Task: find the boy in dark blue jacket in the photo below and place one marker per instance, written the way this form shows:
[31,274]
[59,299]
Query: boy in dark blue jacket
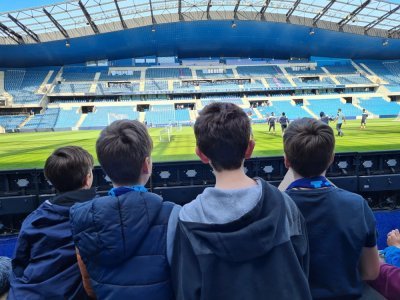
[243,238]
[341,226]
[44,264]
[125,239]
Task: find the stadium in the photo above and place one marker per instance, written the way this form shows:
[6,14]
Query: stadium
[69,69]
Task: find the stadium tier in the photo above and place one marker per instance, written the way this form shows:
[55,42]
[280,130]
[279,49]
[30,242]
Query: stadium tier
[330,107]
[47,120]
[11,122]
[67,118]
[379,106]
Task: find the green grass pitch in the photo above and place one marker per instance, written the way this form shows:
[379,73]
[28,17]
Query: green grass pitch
[30,150]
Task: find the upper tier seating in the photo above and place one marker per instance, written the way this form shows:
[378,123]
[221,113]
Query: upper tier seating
[353,79]
[219,87]
[173,73]
[117,88]
[67,118]
[104,115]
[22,85]
[183,87]
[254,85]
[156,85]
[331,106]
[72,88]
[305,71]
[388,71]
[122,76]
[161,107]
[11,122]
[226,73]
[323,82]
[339,68]
[260,71]
[379,106]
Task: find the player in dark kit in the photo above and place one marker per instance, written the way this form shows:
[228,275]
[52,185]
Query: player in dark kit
[271,122]
[284,121]
[364,117]
[324,118]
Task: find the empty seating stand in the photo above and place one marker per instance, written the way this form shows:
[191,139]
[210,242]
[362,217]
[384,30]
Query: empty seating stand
[381,107]
[105,115]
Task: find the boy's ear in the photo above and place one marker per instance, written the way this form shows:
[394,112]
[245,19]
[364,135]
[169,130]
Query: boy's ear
[332,158]
[88,181]
[147,166]
[204,159]
[250,148]
[286,161]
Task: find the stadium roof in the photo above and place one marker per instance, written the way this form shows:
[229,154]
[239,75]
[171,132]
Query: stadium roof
[86,30]
[87,17]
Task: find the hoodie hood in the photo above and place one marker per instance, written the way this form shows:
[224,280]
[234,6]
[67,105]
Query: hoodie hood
[237,225]
[112,228]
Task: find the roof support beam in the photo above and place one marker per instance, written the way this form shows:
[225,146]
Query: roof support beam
[264,8]
[354,13]
[88,17]
[120,15]
[29,32]
[153,20]
[292,9]
[208,9]
[323,12]
[180,10]
[395,30]
[236,9]
[11,34]
[380,19]
[58,25]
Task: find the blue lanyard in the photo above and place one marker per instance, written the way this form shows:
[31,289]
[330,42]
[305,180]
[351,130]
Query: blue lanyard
[310,183]
[126,189]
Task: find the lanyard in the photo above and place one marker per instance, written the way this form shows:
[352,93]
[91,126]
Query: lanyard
[310,183]
[126,189]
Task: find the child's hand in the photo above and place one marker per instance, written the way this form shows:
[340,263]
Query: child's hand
[393,238]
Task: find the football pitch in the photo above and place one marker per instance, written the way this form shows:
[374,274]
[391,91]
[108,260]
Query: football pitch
[30,150]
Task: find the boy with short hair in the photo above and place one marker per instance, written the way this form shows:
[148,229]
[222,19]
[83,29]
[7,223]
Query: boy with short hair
[125,239]
[44,264]
[340,224]
[243,238]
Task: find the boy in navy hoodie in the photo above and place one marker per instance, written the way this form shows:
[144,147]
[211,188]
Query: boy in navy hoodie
[243,238]
[125,238]
[340,224]
[44,264]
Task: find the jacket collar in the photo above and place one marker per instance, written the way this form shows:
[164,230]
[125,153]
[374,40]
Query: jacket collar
[70,198]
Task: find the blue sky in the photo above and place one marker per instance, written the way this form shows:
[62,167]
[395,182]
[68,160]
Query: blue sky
[7,5]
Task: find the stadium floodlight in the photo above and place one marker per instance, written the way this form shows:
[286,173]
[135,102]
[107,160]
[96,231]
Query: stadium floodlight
[233,25]
[153,28]
[312,31]
[67,44]
[385,42]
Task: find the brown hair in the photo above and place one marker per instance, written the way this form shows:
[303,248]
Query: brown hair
[67,167]
[309,146]
[222,133]
[121,148]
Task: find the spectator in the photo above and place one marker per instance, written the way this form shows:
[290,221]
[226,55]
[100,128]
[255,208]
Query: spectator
[125,239]
[44,264]
[340,225]
[242,239]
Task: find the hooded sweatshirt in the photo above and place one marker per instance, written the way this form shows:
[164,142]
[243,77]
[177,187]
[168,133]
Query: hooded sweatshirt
[44,264]
[241,244]
[123,241]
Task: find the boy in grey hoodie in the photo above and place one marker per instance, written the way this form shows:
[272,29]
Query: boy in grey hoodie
[243,238]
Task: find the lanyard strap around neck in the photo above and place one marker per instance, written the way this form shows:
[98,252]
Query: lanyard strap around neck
[126,189]
[310,183]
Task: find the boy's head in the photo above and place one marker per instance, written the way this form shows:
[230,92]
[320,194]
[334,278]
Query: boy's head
[223,136]
[123,150]
[283,114]
[309,147]
[272,114]
[339,110]
[321,114]
[363,110]
[69,168]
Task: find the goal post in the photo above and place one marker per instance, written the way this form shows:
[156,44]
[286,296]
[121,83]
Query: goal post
[165,134]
